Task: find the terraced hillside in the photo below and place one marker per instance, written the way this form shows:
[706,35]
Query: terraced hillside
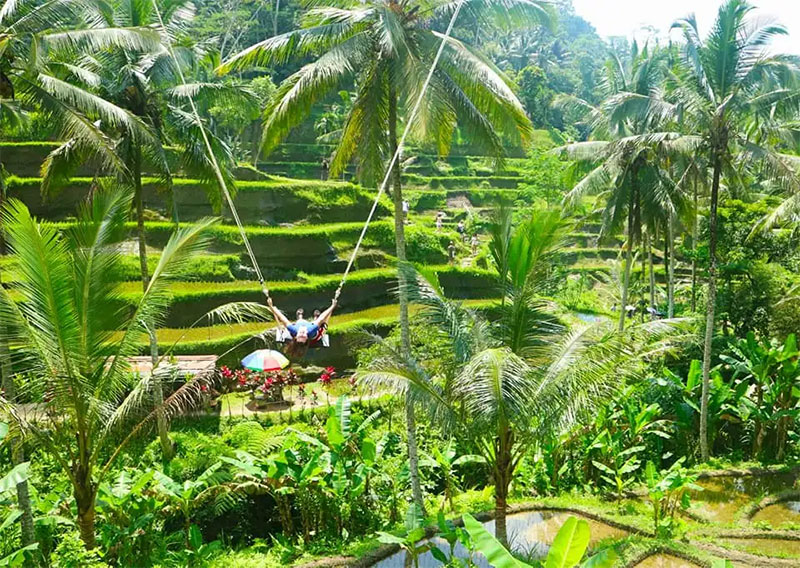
[302,229]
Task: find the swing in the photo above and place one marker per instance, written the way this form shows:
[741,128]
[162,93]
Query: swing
[284,332]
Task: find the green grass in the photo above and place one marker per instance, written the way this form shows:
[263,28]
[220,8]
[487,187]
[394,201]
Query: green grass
[340,324]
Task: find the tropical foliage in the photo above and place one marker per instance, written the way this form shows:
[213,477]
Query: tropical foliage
[574,317]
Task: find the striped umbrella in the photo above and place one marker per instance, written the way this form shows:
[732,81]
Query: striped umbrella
[265,360]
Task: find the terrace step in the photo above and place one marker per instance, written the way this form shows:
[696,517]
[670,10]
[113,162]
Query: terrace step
[237,340]
[264,202]
[365,289]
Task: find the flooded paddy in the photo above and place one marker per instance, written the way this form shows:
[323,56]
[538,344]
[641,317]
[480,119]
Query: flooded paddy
[774,547]
[530,533]
[665,561]
[779,514]
[722,497]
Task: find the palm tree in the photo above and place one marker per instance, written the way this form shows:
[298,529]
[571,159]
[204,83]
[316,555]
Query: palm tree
[11,114]
[517,377]
[50,27]
[145,83]
[729,96]
[40,42]
[386,48]
[70,338]
[619,169]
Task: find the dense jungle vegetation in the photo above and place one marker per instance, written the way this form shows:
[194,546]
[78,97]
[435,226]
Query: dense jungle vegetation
[565,317]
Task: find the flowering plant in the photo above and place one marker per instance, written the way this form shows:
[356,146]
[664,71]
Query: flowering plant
[266,386]
[327,376]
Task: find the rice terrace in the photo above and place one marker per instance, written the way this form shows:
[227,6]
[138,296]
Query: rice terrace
[399,283]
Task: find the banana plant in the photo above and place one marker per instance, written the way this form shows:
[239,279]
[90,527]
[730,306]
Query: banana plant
[412,541]
[259,475]
[725,404]
[303,480]
[567,550]
[769,373]
[186,497]
[130,529]
[8,484]
[350,456]
[446,461]
[452,535]
[667,491]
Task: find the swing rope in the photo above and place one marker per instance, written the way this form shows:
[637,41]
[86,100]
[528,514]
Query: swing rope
[396,157]
[382,189]
[211,156]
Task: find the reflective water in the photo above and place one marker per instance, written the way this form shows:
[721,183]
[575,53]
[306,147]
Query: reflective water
[765,546]
[589,318]
[780,513]
[665,561]
[722,497]
[529,533]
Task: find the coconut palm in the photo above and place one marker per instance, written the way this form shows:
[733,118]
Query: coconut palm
[386,48]
[146,84]
[518,376]
[40,42]
[70,337]
[727,102]
[621,170]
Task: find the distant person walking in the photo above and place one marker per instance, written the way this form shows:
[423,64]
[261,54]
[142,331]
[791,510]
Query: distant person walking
[461,230]
[325,167]
[474,242]
[439,220]
[451,252]
[405,211]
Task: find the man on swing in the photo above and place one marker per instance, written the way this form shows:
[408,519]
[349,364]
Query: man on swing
[303,332]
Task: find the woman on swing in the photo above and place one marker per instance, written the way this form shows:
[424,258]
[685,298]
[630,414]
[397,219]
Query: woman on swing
[303,332]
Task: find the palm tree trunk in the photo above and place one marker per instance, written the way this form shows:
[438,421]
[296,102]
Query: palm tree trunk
[710,306]
[85,497]
[405,334]
[694,250]
[7,384]
[626,278]
[649,248]
[669,249]
[502,479]
[158,392]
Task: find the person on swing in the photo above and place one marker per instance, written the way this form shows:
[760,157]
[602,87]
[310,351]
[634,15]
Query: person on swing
[302,331]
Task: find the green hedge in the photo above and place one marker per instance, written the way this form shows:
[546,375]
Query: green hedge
[463,182]
[271,201]
[203,268]
[311,248]
[363,289]
[426,200]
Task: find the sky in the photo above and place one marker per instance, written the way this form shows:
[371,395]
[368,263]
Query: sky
[628,17]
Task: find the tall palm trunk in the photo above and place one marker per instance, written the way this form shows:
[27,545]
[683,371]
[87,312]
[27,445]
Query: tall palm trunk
[649,249]
[626,278]
[694,249]
[158,392]
[669,252]
[503,471]
[405,333]
[85,493]
[710,305]
[8,386]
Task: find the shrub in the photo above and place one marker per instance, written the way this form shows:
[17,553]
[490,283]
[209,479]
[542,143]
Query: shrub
[71,553]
